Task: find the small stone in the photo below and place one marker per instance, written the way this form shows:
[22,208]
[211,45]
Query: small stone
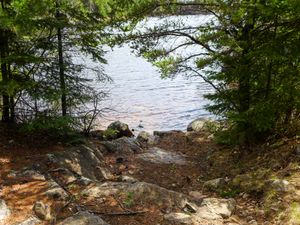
[85,181]
[121,129]
[252,222]
[245,195]
[280,185]
[180,218]
[260,212]
[197,125]
[122,167]
[57,193]
[190,207]
[12,175]
[128,179]
[30,221]
[144,137]
[196,195]
[42,211]
[214,184]
[107,175]
[123,145]
[83,218]
[30,174]
[4,211]
[266,223]
[220,207]
[250,218]
[162,156]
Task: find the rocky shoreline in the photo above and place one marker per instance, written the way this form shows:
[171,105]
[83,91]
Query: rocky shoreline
[115,178]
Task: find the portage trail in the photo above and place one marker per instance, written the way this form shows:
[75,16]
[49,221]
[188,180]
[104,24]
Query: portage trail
[161,179]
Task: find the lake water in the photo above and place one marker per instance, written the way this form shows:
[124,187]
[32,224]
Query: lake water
[140,98]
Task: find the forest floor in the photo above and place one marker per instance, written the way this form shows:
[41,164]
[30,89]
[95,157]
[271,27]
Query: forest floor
[265,183]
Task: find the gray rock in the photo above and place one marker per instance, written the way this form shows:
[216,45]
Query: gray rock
[267,223]
[42,211]
[213,208]
[252,222]
[158,155]
[30,221]
[128,179]
[142,191]
[214,184]
[123,145]
[83,218]
[197,125]
[55,191]
[122,129]
[190,207]
[31,174]
[178,218]
[279,185]
[26,174]
[80,160]
[12,174]
[146,138]
[4,211]
[105,173]
[207,213]
[196,195]
[85,181]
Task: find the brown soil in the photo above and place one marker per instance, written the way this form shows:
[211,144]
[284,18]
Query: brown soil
[207,160]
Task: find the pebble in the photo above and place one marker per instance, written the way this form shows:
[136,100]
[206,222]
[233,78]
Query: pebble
[252,222]
[250,218]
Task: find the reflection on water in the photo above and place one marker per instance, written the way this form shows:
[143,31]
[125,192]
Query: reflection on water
[143,100]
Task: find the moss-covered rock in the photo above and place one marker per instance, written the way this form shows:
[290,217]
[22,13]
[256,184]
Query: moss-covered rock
[251,182]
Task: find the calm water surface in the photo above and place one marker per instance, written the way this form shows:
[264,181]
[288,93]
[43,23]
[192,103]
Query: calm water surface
[140,98]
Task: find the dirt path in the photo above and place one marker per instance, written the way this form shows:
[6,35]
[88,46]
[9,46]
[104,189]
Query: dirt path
[180,162]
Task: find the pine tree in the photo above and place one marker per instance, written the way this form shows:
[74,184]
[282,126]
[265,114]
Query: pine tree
[247,52]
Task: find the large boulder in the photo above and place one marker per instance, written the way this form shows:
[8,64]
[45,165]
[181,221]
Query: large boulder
[83,218]
[121,130]
[4,211]
[81,160]
[123,145]
[143,191]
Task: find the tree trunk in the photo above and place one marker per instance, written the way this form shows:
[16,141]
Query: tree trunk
[61,65]
[5,75]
